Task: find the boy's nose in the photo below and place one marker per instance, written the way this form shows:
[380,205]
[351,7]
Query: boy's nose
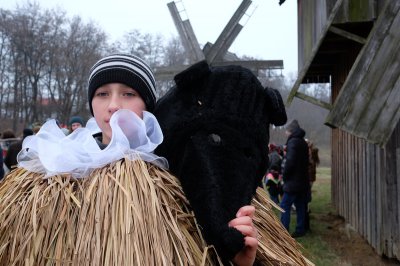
[114,105]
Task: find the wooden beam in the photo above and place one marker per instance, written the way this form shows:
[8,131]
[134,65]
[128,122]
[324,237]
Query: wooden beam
[228,34]
[197,53]
[168,72]
[220,54]
[313,100]
[347,35]
[186,34]
[253,64]
[314,51]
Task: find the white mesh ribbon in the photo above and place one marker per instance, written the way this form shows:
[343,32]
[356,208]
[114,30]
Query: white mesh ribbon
[51,152]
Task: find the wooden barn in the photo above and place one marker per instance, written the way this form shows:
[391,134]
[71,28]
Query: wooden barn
[355,46]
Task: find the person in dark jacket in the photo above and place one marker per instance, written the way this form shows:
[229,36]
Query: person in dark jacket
[295,178]
[11,157]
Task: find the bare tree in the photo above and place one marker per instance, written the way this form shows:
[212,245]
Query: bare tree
[5,91]
[80,46]
[144,45]
[44,62]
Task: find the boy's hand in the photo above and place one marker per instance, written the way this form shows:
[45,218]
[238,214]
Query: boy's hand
[244,223]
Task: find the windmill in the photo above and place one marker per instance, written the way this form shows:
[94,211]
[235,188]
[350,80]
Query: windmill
[216,54]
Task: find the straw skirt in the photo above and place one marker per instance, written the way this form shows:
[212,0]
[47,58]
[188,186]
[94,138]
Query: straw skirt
[126,213]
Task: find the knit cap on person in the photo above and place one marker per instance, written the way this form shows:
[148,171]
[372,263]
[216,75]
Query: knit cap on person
[75,119]
[126,69]
[27,132]
[292,126]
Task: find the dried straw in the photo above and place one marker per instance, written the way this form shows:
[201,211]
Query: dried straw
[127,213]
[276,246]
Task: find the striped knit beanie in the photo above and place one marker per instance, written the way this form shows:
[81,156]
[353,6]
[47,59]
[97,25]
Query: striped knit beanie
[126,69]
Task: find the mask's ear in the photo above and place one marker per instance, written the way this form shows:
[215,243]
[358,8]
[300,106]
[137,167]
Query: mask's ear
[193,76]
[276,107]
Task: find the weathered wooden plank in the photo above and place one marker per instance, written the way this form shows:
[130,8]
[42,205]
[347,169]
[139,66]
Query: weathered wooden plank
[314,51]
[391,113]
[379,203]
[338,171]
[342,175]
[342,189]
[227,42]
[371,195]
[195,50]
[350,180]
[369,192]
[354,177]
[186,33]
[391,227]
[347,175]
[360,185]
[344,102]
[397,135]
[356,11]
[313,100]
[310,24]
[221,43]
[334,175]
[394,178]
[168,72]
[253,64]
[366,185]
[347,35]
[374,177]
[353,190]
[377,86]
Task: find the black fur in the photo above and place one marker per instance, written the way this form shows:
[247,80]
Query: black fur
[216,131]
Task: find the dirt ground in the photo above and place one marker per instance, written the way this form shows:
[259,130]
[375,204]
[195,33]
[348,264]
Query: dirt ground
[349,245]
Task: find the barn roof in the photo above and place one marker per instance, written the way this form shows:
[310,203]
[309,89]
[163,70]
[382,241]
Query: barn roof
[368,104]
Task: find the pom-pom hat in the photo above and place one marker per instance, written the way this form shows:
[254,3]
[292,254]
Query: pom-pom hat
[126,69]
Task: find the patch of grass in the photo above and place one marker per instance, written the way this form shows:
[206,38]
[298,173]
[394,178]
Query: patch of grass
[324,157]
[315,248]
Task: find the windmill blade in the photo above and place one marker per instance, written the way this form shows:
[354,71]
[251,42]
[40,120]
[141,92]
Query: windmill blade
[186,33]
[228,35]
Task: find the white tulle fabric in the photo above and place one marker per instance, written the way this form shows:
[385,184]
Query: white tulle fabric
[51,152]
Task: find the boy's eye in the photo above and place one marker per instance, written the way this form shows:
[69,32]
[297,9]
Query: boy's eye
[130,94]
[101,94]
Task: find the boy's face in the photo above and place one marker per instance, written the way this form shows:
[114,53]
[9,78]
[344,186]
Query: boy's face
[111,97]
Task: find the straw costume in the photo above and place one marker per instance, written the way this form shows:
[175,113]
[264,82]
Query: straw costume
[73,202]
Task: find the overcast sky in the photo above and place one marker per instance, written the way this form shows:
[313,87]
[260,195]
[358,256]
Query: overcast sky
[269,33]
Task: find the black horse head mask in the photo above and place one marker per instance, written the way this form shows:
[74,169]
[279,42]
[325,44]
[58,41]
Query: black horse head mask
[216,132]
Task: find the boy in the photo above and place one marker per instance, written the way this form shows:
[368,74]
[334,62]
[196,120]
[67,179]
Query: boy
[123,81]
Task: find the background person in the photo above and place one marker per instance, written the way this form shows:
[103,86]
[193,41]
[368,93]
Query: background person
[11,158]
[74,123]
[295,177]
